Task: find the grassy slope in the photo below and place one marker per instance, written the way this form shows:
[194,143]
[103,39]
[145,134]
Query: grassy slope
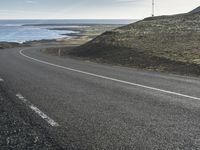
[166,43]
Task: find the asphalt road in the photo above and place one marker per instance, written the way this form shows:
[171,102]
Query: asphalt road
[84,105]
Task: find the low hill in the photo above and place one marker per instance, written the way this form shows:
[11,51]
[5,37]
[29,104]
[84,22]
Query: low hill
[197,10]
[8,45]
[164,43]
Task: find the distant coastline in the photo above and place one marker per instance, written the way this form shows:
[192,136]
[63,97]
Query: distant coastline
[21,31]
[66,34]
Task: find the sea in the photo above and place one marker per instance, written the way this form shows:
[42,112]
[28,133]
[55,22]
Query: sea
[30,30]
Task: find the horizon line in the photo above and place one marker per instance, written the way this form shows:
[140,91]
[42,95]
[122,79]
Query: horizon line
[68,19]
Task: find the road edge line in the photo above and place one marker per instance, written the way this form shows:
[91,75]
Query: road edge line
[109,78]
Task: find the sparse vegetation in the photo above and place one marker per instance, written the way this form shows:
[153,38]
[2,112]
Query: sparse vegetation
[8,45]
[165,43]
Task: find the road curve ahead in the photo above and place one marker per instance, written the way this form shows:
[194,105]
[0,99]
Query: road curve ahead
[84,105]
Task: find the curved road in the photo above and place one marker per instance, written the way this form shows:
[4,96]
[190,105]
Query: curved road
[84,105]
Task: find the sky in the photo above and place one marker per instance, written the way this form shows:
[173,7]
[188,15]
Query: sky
[91,9]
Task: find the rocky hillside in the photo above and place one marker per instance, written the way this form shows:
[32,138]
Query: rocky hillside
[195,10]
[166,43]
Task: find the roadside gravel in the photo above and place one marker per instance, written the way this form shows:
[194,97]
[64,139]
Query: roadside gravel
[17,133]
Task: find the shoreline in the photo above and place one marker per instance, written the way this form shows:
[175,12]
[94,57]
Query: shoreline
[81,35]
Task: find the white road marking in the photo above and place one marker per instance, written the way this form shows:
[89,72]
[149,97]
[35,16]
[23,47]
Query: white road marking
[1,80]
[112,79]
[21,98]
[44,116]
[37,111]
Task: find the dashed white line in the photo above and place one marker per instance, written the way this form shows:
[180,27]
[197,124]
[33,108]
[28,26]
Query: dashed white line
[37,111]
[109,78]
[1,80]
[21,98]
[44,116]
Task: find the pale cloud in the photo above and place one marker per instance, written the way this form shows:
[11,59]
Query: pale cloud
[126,1]
[92,9]
[30,2]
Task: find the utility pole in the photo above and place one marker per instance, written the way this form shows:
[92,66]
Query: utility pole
[153,8]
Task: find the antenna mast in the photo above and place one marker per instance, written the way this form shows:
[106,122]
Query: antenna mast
[153,8]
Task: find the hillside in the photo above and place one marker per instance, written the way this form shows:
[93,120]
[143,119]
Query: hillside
[197,10]
[164,43]
[8,45]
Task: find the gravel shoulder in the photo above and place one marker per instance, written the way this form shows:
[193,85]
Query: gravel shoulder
[19,133]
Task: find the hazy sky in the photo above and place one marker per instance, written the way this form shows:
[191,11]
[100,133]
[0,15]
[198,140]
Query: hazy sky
[91,9]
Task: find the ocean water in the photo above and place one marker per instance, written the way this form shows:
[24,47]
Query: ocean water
[22,34]
[15,31]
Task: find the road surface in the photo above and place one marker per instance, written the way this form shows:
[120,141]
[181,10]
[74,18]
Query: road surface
[84,105]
